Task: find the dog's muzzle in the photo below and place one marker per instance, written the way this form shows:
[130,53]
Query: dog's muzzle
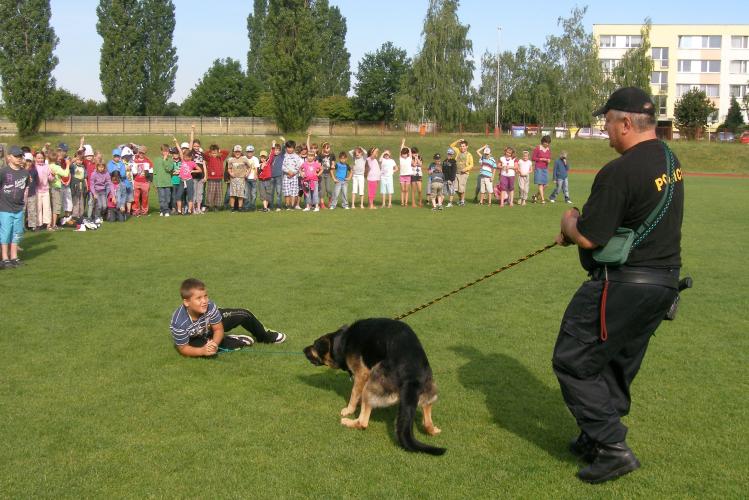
[312,356]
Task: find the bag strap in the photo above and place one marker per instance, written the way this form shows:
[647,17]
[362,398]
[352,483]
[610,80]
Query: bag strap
[660,210]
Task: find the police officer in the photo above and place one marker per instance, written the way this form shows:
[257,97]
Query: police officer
[608,323]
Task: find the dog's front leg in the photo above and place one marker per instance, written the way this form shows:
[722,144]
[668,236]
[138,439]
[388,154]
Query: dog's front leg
[359,380]
[363,421]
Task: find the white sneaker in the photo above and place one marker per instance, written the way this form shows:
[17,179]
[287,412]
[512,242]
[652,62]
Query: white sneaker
[317,209]
[97,220]
[161,214]
[297,207]
[81,228]
[166,214]
[553,201]
[278,210]
[569,201]
[306,209]
[449,205]
[345,208]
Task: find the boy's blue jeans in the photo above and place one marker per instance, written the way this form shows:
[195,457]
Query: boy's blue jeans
[165,197]
[561,186]
[251,198]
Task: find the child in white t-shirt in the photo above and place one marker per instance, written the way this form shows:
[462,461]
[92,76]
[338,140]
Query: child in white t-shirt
[508,163]
[387,169]
[406,171]
[525,166]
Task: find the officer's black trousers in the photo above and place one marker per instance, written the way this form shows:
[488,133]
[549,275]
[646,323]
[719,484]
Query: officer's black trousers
[595,375]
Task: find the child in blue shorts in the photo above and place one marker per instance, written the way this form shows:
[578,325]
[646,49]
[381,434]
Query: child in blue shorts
[14,183]
[198,325]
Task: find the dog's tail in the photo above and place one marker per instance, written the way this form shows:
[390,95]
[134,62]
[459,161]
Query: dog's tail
[409,399]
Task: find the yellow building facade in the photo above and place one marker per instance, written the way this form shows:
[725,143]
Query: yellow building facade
[711,57]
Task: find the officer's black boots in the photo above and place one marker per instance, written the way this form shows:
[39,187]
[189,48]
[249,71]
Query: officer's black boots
[584,447]
[611,461]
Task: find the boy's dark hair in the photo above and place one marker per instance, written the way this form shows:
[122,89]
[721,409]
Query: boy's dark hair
[165,147]
[214,147]
[404,151]
[342,155]
[414,150]
[291,144]
[189,285]
[463,142]
[546,139]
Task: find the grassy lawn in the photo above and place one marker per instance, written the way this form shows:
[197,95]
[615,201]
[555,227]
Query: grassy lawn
[97,403]
[583,153]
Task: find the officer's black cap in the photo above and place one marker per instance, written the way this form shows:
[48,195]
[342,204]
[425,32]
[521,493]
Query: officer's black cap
[630,100]
[15,151]
[437,156]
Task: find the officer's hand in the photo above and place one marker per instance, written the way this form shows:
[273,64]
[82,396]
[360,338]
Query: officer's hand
[562,240]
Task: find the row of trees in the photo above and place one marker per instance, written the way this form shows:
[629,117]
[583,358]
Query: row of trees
[298,67]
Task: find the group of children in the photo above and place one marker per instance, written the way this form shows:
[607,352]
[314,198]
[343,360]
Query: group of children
[81,190]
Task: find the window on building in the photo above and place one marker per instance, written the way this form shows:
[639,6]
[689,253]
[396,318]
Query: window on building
[740,42]
[661,104]
[608,41]
[713,118]
[659,79]
[738,91]
[739,67]
[608,65]
[709,89]
[698,66]
[660,54]
[633,41]
[700,42]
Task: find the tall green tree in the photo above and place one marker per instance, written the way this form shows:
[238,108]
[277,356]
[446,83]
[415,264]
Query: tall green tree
[734,118]
[120,26]
[224,90]
[636,66]
[27,44]
[61,102]
[159,55]
[289,52]
[334,69]
[581,79]
[692,113]
[378,80]
[255,23]
[439,84]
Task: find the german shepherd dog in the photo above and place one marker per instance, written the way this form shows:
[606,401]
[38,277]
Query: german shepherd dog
[388,365]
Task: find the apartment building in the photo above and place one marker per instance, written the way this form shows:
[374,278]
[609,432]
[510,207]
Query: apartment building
[711,57]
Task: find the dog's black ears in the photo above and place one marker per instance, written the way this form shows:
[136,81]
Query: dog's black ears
[343,329]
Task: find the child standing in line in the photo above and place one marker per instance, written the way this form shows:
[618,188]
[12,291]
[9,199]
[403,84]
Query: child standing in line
[311,170]
[61,175]
[373,173]
[142,172]
[13,190]
[508,164]
[342,175]
[77,185]
[486,173]
[238,167]
[43,202]
[450,169]
[359,168]
[292,162]
[31,204]
[416,176]
[117,199]
[388,168]
[185,185]
[541,157]
[100,185]
[561,174]
[437,182]
[525,166]
[327,181]
[406,171]
[251,181]
[214,162]
[464,160]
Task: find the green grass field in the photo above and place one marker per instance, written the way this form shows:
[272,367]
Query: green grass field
[97,403]
[583,153]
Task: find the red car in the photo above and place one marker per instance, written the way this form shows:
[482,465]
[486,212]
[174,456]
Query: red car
[745,137]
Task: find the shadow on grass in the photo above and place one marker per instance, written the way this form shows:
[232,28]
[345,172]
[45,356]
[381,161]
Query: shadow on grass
[518,401]
[341,384]
[36,244]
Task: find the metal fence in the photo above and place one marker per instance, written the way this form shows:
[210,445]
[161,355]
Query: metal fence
[204,125]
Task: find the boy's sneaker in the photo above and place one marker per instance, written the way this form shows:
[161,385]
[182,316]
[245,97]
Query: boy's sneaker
[439,207]
[16,262]
[553,201]
[280,337]
[568,201]
[245,339]
[166,214]
[449,205]
[306,209]
[4,264]
[81,228]
[317,209]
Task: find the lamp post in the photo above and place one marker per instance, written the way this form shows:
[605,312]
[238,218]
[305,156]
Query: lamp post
[497,128]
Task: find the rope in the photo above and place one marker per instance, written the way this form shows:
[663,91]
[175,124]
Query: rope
[468,285]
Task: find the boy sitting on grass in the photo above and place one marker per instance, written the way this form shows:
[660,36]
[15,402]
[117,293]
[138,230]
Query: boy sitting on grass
[198,325]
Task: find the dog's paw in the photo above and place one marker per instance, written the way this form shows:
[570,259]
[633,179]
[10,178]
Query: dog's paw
[433,431]
[347,411]
[352,423]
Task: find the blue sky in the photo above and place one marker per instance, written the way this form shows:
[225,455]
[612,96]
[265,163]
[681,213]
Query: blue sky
[202,34]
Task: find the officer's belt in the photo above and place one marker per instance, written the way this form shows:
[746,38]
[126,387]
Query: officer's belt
[638,275]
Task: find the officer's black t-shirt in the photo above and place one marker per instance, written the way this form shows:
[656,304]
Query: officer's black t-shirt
[624,193]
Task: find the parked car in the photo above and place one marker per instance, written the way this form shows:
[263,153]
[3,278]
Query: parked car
[591,133]
[745,137]
[726,136]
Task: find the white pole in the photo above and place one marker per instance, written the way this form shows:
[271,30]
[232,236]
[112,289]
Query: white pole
[496,112]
